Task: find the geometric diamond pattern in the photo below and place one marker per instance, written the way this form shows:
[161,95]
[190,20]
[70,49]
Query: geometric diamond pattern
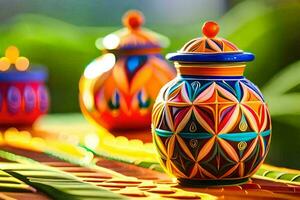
[211,129]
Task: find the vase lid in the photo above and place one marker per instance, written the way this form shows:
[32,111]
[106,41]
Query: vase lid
[210,48]
[132,37]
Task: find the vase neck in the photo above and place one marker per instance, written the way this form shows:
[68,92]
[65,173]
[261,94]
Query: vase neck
[211,70]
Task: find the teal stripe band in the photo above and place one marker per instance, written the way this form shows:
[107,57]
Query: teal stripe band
[164,133]
[246,136]
[196,135]
[265,133]
[236,137]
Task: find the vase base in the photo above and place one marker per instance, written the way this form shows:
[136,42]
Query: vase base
[206,183]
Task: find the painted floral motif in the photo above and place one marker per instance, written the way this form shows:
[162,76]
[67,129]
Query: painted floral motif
[29,99]
[14,99]
[126,93]
[133,84]
[211,129]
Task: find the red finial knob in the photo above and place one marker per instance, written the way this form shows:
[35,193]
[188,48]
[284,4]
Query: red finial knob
[133,19]
[210,29]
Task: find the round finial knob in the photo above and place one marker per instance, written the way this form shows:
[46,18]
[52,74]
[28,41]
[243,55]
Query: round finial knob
[210,29]
[133,19]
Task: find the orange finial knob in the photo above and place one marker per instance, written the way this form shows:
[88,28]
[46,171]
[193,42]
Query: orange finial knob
[210,29]
[133,19]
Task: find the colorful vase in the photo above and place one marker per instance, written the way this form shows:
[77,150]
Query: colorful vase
[23,94]
[118,89]
[211,126]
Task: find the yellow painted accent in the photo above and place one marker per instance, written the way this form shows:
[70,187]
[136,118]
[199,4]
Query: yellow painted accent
[22,64]
[243,126]
[12,53]
[4,64]
[242,145]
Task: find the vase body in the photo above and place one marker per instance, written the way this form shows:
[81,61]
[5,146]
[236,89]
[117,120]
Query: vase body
[122,97]
[23,97]
[211,125]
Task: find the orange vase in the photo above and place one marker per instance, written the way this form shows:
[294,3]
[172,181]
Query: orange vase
[118,89]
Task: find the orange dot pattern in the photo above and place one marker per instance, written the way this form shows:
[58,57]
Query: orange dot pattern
[12,57]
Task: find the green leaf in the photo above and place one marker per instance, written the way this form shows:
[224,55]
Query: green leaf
[285,80]
[55,183]
[9,183]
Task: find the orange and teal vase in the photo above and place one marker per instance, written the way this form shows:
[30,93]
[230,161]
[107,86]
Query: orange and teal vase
[118,89]
[211,125]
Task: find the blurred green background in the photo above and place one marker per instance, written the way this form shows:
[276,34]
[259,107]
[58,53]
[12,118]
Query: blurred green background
[61,35]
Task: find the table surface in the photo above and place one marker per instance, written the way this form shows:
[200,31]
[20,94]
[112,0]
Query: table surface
[64,157]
